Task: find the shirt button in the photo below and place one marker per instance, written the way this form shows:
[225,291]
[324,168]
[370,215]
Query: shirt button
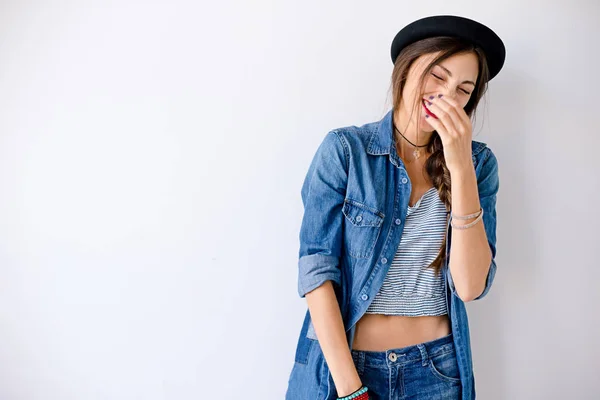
[359,218]
[364,297]
[393,357]
[384,260]
[398,221]
[404,180]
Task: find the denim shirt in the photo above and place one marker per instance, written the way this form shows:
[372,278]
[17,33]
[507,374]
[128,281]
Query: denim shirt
[355,197]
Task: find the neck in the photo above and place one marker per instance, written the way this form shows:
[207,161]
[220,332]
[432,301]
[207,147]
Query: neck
[409,129]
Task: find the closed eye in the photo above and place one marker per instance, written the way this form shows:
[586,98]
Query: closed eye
[441,79]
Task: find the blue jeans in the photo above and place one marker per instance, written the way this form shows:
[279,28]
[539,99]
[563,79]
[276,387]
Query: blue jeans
[424,371]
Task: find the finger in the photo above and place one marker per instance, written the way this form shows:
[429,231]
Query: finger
[439,127]
[446,113]
[444,117]
[457,107]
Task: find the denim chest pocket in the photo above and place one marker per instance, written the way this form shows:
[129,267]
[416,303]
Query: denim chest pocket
[362,228]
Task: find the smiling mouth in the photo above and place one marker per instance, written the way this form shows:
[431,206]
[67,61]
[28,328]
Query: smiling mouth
[427,110]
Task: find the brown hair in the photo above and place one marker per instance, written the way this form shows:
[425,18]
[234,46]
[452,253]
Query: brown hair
[436,164]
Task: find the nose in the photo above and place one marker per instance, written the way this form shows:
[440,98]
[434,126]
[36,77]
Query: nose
[447,92]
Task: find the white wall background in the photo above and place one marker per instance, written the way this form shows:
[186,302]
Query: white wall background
[151,159]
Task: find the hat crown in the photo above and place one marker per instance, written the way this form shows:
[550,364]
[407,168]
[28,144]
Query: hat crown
[454,26]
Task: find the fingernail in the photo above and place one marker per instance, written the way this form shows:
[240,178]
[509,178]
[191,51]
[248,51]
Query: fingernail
[430,103]
[426,115]
[432,97]
[440,96]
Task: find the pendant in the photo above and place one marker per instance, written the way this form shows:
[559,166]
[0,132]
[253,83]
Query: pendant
[417,153]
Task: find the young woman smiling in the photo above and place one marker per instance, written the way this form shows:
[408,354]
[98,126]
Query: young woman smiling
[399,229]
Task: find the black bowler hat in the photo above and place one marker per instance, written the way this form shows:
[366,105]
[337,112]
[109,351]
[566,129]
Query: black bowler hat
[459,27]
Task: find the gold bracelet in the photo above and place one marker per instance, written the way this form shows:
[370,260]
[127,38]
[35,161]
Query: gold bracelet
[466,226]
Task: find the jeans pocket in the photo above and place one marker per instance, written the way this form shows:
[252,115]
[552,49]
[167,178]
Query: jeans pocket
[445,367]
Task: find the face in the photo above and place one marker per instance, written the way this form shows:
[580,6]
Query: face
[454,77]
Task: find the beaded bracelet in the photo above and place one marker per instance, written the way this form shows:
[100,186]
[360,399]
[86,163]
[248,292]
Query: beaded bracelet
[360,394]
[466,217]
[364,396]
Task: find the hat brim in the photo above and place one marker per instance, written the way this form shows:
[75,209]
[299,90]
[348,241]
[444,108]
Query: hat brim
[459,27]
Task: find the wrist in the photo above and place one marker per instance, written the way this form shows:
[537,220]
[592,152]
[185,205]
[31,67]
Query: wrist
[359,394]
[347,390]
[461,168]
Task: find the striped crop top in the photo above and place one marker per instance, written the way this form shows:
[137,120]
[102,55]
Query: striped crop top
[409,288]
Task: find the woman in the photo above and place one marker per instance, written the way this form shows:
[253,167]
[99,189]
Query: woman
[385,289]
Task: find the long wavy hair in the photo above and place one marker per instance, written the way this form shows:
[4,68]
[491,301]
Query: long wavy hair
[435,165]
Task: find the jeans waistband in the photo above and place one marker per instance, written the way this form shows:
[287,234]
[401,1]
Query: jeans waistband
[399,356]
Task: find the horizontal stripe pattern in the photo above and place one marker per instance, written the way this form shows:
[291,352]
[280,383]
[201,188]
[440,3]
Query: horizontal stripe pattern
[410,288]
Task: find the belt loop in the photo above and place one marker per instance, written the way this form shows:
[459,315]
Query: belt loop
[424,356]
[359,360]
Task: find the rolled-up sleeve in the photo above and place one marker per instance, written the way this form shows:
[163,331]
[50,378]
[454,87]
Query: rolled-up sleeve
[488,184]
[323,194]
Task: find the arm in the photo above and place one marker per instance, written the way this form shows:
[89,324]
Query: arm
[323,194]
[329,328]
[472,251]
[471,267]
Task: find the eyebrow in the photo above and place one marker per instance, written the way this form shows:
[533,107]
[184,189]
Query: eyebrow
[450,74]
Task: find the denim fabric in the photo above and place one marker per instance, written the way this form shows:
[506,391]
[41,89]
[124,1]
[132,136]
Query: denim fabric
[427,371]
[355,198]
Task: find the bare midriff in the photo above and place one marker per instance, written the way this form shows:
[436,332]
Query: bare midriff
[378,332]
